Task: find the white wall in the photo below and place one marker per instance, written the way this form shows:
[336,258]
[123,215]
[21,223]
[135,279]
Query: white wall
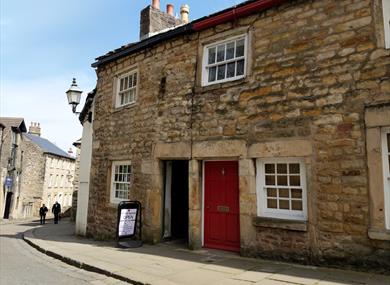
[85,167]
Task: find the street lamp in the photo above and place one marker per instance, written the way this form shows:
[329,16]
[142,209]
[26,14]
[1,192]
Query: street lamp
[74,95]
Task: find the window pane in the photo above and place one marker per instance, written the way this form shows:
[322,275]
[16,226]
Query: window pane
[231,69]
[211,59]
[296,205]
[281,168]
[271,192]
[272,204]
[284,204]
[230,50]
[240,67]
[212,73]
[221,71]
[295,180]
[269,168]
[221,53]
[126,84]
[240,48]
[121,83]
[284,193]
[135,79]
[130,81]
[282,180]
[388,142]
[296,193]
[269,180]
[294,168]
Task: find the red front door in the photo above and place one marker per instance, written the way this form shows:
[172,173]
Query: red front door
[221,214]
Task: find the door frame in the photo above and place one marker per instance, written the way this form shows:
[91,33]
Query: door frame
[203,190]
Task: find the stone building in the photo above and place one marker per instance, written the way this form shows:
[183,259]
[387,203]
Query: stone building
[11,164]
[50,171]
[262,128]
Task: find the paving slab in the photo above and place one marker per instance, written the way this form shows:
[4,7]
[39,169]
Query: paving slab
[173,264]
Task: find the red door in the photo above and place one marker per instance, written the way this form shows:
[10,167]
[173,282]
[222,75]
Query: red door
[221,219]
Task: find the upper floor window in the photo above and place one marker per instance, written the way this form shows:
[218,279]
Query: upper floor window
[224,61]
[281,188]
[386,21]
[127,89]
[121,179]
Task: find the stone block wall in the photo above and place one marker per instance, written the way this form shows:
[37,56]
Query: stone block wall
[32,180]
[312,68]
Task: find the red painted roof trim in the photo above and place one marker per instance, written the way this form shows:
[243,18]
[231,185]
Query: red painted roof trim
[235,13]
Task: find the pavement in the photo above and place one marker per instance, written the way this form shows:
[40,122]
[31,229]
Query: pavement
[174,264]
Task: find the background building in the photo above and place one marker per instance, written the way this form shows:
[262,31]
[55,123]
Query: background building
[39,171]
[11,163]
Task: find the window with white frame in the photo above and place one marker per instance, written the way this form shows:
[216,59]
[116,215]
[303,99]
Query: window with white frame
[121,180]
[224,61]
[51,180]
[386,21]
[127,89]
[386,172]
[281,188]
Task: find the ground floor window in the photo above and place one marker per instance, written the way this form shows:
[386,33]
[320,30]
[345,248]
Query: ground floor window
[121,179]
[386,171]
[281,188]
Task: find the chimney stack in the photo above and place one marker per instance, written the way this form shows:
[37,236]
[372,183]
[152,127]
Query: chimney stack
[184,12]
[35,129]
[70,151]
[154,20]
[156,4]
[170,10]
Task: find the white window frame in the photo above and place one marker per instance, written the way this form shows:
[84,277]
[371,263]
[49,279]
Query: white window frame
[118,85]
[262,210]
[386,22]
[113,199]
[386,175]
[205,64]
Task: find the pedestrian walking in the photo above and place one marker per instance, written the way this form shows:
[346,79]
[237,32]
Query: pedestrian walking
[42,213]
[56,210]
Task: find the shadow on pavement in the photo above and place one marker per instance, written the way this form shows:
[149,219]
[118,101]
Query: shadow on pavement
[64,234]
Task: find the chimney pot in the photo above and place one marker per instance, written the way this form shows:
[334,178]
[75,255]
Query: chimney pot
[184,12]
[170,9]
[35,129]
[156,4]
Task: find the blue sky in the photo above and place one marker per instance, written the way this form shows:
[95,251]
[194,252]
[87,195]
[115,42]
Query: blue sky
[45,43]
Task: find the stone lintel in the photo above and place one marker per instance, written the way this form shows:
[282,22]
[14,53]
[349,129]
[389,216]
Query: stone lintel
[172,150]
[379,234]
[300,226]
[219,149]
[377,116]
[290,148]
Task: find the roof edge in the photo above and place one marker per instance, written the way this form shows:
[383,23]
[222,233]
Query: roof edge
[244,9]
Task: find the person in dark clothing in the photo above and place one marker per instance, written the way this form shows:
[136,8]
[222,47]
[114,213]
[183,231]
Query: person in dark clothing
[42,213]
[56,210]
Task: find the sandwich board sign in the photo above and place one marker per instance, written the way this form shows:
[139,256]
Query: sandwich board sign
[129,218]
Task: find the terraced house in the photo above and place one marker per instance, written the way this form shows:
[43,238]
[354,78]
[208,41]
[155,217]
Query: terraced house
[263,128]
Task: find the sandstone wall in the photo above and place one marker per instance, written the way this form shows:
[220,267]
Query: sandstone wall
[32,179]
[313,66]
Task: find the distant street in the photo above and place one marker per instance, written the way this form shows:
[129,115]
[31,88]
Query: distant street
[22,264]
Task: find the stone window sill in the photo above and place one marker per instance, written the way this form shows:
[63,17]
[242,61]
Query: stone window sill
[291,225]
[379,234]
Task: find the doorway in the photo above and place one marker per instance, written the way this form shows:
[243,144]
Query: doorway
[176,201]
[221,205]
[7,209]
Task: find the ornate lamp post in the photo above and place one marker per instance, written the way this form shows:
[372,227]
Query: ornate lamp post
[74,95]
